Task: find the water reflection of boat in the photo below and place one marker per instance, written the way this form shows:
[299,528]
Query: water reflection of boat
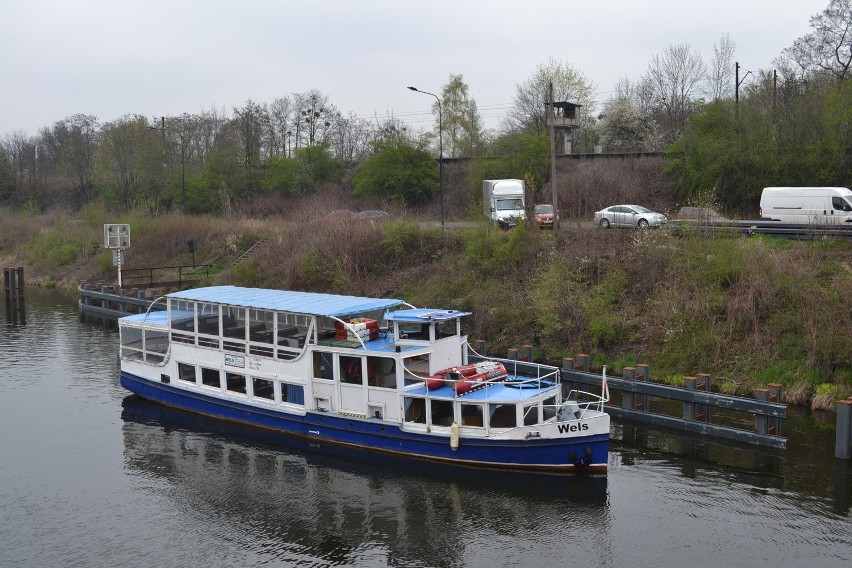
[308,505]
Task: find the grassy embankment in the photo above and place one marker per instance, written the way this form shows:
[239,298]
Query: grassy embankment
[750,311]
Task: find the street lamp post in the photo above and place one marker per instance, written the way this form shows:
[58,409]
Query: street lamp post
[440,151]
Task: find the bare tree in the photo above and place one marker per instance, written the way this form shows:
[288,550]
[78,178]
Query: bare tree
[74,141]
[7,176]
[22,154]
[828,48]
[280,120]
[672,80]
[130,161]
[252,122]
[350,138]
[313,116]
[720,71]
[639,94]
[528,112]
[461,121]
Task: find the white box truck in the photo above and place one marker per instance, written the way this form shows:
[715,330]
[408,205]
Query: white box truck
[807,205]
[503,201]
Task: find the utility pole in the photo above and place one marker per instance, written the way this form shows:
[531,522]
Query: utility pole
[737,83]
[774,89]
[553,158]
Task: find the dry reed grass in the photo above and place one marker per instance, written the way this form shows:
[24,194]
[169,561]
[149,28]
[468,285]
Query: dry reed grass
[824,401]
[797,393]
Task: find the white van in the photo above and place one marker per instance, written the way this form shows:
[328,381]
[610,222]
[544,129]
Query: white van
[807,205]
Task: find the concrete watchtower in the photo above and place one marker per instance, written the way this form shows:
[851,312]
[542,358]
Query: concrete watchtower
[564,117]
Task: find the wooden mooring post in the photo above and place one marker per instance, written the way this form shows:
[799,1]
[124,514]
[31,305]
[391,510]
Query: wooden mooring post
[764,424]
[568,364]
[632,401]
[481,347]
[691,410]
[13,286]
[843,441]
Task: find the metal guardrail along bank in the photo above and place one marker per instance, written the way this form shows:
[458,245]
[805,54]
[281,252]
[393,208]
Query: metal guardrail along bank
[696,398]
[111,302]
[165,276]
[764,227]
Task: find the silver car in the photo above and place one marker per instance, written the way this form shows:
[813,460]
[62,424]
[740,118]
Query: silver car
[628,216]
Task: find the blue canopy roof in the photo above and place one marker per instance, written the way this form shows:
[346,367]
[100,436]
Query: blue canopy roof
[311,303]
[156,317]
[421,315]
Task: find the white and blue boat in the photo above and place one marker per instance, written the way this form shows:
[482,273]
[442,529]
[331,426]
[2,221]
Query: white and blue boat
[370,373]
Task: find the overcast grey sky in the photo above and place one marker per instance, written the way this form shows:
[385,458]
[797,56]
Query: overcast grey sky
[110,58]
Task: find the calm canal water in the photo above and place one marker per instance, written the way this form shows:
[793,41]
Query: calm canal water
[90,476]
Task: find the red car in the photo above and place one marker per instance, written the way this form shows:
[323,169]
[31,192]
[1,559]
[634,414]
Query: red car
[544,216]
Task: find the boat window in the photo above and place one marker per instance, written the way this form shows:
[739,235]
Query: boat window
[235,382]
[131,342]
[210,377]
[234,322]
[288,354]
[234,346]
[261,330]
[261,324]
[531,415]
[502,415]
[471,415]
[261,388]
[293,329]
[381,372]
[178,305]
[325,329]
[350,370]
[263,351]
[548,409]
[186,372]
[292,394]
[415,369]
[446,328]
[414,330]
[156,345]
[323,365]
[182,315]
[208,318]
[415,410]
[442,412]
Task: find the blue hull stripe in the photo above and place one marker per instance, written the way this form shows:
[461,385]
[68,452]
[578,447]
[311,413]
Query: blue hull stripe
[377,435]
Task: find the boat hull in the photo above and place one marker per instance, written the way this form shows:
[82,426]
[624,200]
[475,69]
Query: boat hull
[575,454]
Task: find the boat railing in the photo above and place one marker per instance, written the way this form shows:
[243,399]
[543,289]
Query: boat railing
[548,379]
[543,375]
[524,368]
[587,400]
